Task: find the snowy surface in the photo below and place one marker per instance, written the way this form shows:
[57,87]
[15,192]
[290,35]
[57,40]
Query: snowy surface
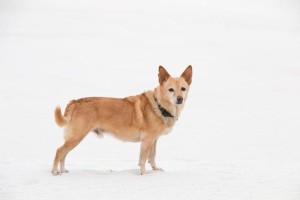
[238,136]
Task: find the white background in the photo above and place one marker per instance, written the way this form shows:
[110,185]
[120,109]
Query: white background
[237,138]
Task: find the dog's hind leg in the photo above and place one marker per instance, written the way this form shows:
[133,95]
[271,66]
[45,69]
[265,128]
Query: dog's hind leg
[62,152]
[57,158]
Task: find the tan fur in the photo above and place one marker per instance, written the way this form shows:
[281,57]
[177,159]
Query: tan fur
[134,119]
[59,119]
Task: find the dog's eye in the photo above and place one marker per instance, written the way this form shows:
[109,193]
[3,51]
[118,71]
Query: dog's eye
[171,90]
[183,89]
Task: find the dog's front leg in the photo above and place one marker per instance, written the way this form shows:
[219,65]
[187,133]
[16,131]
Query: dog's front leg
[151,158]
[144,153]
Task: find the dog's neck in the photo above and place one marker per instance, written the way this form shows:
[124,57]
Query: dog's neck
[167,110]
[163,111]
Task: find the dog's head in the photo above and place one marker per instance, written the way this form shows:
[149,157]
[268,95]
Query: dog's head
[174,90]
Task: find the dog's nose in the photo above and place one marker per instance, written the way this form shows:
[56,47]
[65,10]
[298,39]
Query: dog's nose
[179,100]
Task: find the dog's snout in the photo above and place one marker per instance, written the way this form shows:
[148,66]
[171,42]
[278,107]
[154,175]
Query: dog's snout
[179,100]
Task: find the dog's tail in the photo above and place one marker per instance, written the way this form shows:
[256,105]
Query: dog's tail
[59,119]
[63,120]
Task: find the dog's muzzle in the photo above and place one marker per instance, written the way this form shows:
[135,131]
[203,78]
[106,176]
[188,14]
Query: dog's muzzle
[179,100]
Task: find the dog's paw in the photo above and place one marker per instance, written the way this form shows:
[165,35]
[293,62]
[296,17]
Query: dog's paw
[142,170]
[55,173]
[64,171]
[157,169]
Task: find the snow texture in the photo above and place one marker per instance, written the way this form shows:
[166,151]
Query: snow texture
[238,137]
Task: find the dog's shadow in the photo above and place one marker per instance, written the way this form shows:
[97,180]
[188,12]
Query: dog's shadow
[85,172]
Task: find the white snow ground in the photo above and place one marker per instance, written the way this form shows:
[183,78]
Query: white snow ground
[238,137]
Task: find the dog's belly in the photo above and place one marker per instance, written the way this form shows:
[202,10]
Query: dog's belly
[127,136]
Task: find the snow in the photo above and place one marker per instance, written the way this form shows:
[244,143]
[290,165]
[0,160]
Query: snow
[237,138]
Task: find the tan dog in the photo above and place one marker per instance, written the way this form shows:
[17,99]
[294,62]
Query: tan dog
[141,118]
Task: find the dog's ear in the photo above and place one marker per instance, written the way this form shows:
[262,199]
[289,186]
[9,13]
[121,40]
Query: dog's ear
[187,74]
[163,75]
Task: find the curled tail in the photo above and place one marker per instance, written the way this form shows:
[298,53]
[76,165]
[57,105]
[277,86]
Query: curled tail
[63,120]
[59,119]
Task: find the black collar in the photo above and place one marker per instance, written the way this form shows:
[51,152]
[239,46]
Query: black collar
[163,111]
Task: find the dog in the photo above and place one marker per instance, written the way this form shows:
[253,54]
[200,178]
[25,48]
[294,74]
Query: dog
[141,118]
